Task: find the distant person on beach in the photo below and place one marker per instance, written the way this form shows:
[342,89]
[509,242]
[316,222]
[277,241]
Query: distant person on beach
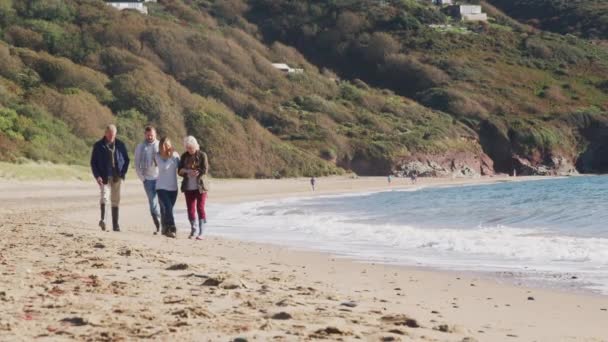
[147,171]
[166,185]
[194,167]
[413,177]
[389,179]
[109,163]
[313,182]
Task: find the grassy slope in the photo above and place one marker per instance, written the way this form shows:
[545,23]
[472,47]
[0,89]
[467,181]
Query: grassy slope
[73,66]
[200,67]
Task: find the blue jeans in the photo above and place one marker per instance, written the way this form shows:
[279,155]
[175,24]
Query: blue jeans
[150,187]
[167,200]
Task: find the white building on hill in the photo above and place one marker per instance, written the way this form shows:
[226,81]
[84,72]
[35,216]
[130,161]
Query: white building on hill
[468,13]
[286,68]
[137,5]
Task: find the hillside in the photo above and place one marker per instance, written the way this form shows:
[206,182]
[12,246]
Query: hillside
[536,100]
[70,67]
[585,18]
[404,96]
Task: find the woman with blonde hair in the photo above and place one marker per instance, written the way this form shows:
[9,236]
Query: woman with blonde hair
[166,184]
[194,167]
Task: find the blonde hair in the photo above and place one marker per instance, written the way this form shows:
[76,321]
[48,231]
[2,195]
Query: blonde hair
[163,141]
[191,141]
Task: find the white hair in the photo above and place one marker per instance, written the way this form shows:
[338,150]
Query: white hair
[191,141]
[111,127]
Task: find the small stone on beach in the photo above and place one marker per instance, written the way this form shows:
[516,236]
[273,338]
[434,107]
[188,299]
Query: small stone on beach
[75,321]
[177,267]
[349,304]
[281,316]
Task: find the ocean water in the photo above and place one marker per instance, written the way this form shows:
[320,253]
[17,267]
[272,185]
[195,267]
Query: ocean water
[550,233]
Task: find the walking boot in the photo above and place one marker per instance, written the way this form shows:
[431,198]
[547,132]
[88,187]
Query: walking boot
[201,225]
[156,223]
[192,229]
[172,231]
[115,226]
[102,223]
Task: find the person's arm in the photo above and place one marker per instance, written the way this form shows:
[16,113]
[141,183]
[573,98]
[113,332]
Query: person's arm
[125,167]
[137,156]
[204,165]
[180,167]
[94,165]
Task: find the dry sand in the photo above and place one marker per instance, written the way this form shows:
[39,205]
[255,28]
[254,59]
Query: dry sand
[63,279]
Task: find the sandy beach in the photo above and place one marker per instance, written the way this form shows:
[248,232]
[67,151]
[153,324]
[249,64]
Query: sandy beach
[61,278]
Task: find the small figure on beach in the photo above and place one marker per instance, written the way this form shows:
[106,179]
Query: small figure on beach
[166,185]
[413,177]
[389,179]
[147,171]
[313,182]
[194,168]
[109,163]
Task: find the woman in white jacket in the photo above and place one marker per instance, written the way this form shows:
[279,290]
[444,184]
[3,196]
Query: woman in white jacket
[166,185]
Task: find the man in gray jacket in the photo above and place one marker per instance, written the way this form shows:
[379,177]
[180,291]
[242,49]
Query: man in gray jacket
[147,171]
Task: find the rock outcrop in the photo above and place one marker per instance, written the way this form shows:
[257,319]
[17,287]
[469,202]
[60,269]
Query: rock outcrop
[557,166]
[459,164]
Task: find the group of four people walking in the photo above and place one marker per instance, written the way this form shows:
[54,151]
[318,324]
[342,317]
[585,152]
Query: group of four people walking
[157,165]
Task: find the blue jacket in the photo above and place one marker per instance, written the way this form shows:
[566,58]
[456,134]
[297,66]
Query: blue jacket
[101,164]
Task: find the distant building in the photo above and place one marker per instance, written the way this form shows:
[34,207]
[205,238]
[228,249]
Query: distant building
[440,2]
[468,12]
[137,5]
[287,69]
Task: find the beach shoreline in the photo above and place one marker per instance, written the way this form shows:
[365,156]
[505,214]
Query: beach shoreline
[134,295]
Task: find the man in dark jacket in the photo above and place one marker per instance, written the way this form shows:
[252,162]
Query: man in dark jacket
[109,163]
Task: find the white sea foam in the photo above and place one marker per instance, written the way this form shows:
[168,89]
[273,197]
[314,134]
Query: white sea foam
[539,230]
[495,248]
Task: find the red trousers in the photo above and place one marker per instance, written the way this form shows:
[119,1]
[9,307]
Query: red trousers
[195,201]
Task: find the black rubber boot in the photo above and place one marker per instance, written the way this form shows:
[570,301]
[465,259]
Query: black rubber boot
[115,226]
[102,223]
[156,223]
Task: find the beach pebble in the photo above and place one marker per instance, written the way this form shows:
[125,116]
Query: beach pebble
[99,245]
[240,339]
[397,331]
[177,267]
[349,304]
[282,316]
[400,320]
[468,339]
[330,331]
[443,328]
[124,252]
[75,321]
[213,282]
[530,298]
